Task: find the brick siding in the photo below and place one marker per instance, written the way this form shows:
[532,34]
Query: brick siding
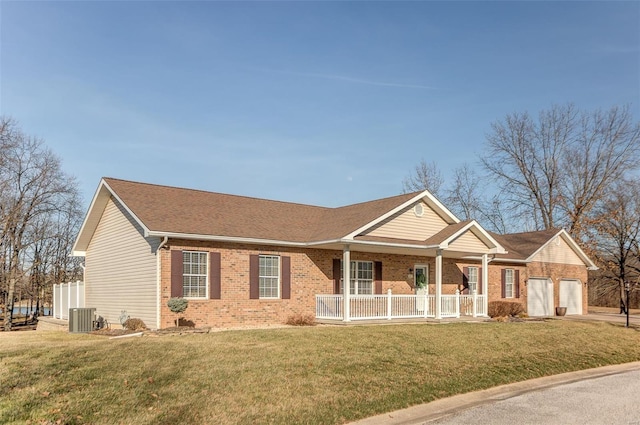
[311,274]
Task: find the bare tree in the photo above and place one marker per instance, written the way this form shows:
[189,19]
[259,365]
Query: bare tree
[33,188]
[616,230]
[425,176]
[554,170]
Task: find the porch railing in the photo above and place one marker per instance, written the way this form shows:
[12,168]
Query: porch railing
[390,306]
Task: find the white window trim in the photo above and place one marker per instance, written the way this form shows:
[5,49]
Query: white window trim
[206,276]
[355,281]
[279,284]
[509,286]
[474,282]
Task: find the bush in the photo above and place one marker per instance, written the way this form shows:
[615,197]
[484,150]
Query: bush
[301,320]
[177,304]
[505,309]
[134,325]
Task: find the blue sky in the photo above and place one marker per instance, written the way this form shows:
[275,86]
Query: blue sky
[326,103]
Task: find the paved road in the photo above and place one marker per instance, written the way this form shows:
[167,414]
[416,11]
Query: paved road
[613,399]
[606,395]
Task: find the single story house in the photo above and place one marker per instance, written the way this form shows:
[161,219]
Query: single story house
[243,261]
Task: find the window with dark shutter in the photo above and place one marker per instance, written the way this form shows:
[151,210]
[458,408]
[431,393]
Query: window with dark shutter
[214,276]
[176,274]
[254,277]
[377,275]
[286,278]
[337,264]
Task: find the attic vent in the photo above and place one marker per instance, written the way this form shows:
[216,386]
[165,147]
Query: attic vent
[418,210]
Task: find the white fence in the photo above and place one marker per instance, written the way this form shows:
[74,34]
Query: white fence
[66,296]
[389,306]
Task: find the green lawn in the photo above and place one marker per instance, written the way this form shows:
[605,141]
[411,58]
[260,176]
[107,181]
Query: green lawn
[315,375]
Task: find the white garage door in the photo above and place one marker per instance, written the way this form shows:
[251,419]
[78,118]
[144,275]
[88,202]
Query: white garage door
[540,297]
[571,295]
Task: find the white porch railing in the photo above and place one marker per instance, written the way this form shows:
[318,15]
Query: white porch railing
[66,296]
[390,306]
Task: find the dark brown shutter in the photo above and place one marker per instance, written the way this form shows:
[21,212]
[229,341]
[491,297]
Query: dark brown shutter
[465,277]
[286,278]
[254,277]
[516,282]
[177,270]
[479,288]
[336,276]
[503,280]
[377,275]
[214,276]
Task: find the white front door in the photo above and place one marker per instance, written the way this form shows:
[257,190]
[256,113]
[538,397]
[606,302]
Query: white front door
[421,278]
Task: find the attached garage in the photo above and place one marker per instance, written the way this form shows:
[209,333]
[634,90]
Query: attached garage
[571,295]
[540,297]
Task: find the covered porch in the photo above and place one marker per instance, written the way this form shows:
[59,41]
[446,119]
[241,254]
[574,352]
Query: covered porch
[464,243]
[399,306]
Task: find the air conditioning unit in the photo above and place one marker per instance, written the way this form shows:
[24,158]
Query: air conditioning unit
[81,320]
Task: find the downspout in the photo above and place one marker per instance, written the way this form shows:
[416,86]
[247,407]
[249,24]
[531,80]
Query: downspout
[159,280]
[84,286]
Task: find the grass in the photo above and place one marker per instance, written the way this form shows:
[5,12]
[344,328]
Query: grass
[309,375]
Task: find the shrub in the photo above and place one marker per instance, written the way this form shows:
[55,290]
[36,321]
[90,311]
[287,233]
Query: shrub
[134,324]
[505,308]
[301,320]
[177,305]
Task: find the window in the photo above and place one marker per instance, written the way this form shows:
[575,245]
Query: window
[473,280]
[361,277]
[269,276]
[194,274]
[508,283]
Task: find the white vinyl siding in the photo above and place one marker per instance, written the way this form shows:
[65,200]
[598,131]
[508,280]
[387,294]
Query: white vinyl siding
[406,225]
[468,242]
[508,283]
[121,268]
[269,276]
[558,251]
[194,275]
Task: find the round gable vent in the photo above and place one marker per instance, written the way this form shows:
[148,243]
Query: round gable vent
[418,210]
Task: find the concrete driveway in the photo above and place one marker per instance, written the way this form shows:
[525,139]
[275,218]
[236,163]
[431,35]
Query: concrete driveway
[606,395]
[608,315]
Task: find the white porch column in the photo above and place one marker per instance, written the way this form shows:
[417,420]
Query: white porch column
[346,282]
[438,284]
[485,283]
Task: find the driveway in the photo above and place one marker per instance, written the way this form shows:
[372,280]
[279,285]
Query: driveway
[607,315]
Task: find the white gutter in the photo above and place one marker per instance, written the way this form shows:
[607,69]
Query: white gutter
[191,236]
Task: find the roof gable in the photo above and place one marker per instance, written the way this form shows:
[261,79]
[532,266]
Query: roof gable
[177,212]
[537,246]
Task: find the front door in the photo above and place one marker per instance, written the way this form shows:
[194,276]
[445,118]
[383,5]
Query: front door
[421,279]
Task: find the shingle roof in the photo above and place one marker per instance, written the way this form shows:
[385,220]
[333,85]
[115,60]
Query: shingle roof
[177,210]
[520,246]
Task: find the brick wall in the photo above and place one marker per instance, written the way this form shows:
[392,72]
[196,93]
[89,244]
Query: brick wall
[311,274]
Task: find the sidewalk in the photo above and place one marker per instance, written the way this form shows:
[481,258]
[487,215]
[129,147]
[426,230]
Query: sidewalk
[447,407]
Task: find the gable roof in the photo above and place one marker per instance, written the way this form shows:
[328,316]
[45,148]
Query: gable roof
[171,211]
[166,211]
[524,246]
